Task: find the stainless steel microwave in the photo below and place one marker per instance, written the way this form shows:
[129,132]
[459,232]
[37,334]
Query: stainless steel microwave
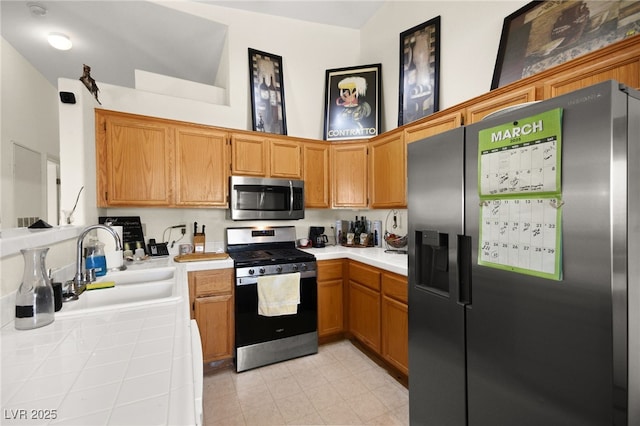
[254,198]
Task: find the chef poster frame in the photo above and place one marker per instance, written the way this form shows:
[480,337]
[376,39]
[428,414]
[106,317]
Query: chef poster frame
[419,91]
[352,102]
[267,104]
[541,35]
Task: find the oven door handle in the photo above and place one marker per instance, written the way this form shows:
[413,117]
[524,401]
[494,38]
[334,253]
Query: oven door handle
[254,280]
[290,198]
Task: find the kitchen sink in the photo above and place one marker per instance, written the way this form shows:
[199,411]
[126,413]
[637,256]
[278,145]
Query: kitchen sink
[132,288]
[139,276]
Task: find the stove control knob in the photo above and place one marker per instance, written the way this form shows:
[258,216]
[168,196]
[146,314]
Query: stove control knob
[278,268]
[261,270]
[295,266]
[251,271]
[304,266]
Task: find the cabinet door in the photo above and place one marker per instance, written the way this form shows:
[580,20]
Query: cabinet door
[285,159]
[214,315]
[364,314]
[330,307]
[432,126]
[202,165]
[349,175]
[137,162]
[395,333]
[249,155]
[388,172]
[316,175]
[481,109]
[330,298]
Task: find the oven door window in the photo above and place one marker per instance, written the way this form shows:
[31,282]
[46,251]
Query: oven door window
[263,198]
[252,328]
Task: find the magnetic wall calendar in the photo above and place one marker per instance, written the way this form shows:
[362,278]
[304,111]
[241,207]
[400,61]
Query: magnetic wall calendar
[519,184]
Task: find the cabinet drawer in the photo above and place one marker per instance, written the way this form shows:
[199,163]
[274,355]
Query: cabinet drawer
[212,282]
[365,275]
[395,287]
[329,270]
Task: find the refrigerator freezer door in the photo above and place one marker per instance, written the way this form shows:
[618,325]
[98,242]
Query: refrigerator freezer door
[542,352]
[436,320]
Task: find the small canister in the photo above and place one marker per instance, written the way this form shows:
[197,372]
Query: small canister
[377,233]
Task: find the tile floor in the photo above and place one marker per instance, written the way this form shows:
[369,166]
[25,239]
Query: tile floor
[337,386]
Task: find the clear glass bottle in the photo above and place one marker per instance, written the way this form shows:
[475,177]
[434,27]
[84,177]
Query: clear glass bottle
[34,299]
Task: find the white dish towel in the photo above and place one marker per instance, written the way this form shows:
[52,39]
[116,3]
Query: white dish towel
[278,294]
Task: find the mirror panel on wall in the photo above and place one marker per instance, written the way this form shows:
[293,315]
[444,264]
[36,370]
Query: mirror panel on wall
[27,186]
[36,188]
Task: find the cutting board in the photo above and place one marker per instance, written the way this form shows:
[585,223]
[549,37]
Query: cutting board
[198,257]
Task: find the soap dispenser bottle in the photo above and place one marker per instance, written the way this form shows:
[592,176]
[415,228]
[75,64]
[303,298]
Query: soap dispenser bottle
[34,299]
[95,258]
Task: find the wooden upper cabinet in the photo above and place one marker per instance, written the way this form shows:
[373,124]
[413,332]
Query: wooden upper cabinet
[479,110]
[134,161]
[388,171]
[624,68]
[316,175]
[202,158]
[349,174]
[249,155]
[285,159]
[433,126]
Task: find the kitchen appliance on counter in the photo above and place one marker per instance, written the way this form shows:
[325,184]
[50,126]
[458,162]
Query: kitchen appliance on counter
[317,236]
[262,255]
[524,280]
[254,198]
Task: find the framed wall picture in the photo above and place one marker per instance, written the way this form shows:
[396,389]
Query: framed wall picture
[419,71]
[352,102]
[267,92]
[543,34]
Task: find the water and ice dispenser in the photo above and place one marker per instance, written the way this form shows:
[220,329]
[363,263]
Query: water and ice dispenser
[432,260]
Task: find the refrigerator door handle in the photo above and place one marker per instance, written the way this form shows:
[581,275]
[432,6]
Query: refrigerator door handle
[464,270]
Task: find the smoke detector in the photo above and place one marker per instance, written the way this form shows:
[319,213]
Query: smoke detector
[37,9]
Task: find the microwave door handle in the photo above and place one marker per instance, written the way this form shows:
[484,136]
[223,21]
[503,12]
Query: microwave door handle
[290,198]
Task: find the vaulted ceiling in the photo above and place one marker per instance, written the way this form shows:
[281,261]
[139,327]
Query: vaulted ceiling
[116,37]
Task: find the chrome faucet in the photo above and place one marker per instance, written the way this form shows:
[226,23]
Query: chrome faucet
[81,279]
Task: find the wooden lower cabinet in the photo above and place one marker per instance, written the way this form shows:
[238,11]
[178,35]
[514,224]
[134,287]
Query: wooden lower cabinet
[395,321]
[364,304]
[212,304]
[364,315]
[330,298]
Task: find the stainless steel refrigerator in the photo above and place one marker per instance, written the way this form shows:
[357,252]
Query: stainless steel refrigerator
[496,336]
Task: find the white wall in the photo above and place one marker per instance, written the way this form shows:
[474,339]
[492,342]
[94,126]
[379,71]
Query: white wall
[29,118]
[469,39]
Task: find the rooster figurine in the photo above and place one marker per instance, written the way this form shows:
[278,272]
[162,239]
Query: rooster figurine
[90,82]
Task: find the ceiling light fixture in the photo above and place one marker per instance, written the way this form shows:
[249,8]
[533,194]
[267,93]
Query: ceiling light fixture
[59,41]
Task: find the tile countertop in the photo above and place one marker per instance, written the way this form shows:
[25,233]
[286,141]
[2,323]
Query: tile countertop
[132,365]
[373,256]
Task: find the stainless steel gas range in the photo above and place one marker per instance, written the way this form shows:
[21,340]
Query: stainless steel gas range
[266,260]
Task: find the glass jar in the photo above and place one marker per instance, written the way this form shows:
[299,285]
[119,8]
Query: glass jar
[34,299]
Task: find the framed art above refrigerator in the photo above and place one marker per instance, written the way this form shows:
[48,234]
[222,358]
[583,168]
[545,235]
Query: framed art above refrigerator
[541,34]
[419,71]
